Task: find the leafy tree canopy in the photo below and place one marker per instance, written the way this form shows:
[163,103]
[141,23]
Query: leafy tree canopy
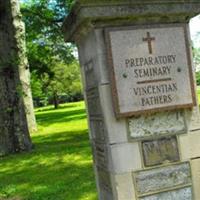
[53,65]
[45,43]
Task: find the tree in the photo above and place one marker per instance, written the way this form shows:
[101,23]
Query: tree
[64,86]
[25,76]
[45,43]
[14,133]
[66,81]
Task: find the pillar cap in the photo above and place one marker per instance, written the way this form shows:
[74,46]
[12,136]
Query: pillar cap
[88,14]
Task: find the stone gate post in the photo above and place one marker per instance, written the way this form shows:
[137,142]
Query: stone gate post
[139,87]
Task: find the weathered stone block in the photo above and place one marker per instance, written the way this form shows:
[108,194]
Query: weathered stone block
[104,178]
[125,157]
[92,74]
[190,145]
[116,129]
[195,165]
[180,194]
[101,155]
[86,49]
[156,125]
[102,120]
[105,194]
[98,131]
[163,178]
[107,182]
[93,101]
[117,158]
[93,59]
[125,188]
[193,119]
[90,79]
[102,57]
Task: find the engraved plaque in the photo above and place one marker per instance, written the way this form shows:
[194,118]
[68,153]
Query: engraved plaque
[164,178]
[179,194]
[150,69]
[159,151]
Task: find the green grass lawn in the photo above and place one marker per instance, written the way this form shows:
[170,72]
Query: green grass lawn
[60,165]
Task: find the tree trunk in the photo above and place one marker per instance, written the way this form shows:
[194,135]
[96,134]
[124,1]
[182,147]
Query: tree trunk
[14,133]
[25,74]
[55,100]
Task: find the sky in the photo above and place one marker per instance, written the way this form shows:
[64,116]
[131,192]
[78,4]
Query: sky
[194,29]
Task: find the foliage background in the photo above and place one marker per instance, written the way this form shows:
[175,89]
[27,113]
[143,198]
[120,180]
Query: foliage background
[53,65]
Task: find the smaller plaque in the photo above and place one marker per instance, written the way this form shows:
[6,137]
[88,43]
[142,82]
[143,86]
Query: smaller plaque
[180,194]
[159,151]
[162,179]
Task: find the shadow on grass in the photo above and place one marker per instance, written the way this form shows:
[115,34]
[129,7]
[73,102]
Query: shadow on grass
[46,119]
[60,165]
[58,181]
[53,109]
[66,137]
[59,168]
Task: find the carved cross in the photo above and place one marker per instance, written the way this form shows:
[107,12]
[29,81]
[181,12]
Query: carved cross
[149,39]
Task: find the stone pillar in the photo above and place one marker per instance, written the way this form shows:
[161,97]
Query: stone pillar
[137,73]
